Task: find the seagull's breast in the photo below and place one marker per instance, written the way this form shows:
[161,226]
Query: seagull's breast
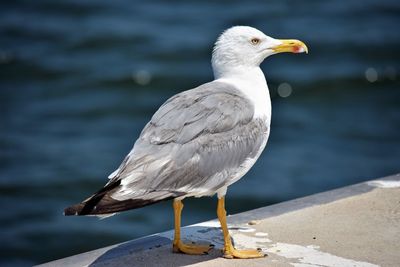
[254,86]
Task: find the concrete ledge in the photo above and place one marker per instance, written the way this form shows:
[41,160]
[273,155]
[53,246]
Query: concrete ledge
[357,225]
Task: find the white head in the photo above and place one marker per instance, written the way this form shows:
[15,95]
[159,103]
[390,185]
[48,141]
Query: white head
[246,47]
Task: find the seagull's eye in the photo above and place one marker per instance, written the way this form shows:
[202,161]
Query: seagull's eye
[255,41]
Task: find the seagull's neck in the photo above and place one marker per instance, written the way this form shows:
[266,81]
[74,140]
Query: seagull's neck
[250,81]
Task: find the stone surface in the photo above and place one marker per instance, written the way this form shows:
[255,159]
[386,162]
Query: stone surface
[352,226]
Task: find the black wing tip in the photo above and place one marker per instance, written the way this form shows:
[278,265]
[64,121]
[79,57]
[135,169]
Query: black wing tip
[73,210]
[88,206]
[99,208]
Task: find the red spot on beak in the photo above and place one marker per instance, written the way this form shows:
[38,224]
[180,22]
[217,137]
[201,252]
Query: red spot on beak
[296,49]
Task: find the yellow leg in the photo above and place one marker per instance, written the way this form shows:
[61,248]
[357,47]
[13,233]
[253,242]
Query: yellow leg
[229,251]
[178,245]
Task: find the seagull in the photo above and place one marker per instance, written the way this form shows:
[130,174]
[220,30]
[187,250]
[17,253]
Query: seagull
[200,141]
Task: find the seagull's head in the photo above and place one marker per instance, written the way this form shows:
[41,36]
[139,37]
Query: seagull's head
[243,46]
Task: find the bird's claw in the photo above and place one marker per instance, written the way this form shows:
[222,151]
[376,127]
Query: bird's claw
[192,249]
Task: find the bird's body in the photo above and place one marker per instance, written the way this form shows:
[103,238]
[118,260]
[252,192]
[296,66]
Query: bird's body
[197,144]
[199,141]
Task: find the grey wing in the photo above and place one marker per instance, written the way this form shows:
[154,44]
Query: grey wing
[197,142]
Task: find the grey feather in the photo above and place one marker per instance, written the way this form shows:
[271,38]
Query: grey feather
[196,142]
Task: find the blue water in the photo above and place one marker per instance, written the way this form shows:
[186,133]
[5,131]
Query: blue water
[79,80]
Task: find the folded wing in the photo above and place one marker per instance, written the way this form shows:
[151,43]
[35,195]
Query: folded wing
[197,142]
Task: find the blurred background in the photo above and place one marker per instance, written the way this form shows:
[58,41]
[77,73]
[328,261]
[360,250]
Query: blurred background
[80,79]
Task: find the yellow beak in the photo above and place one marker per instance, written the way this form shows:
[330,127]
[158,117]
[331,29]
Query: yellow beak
[293,46]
